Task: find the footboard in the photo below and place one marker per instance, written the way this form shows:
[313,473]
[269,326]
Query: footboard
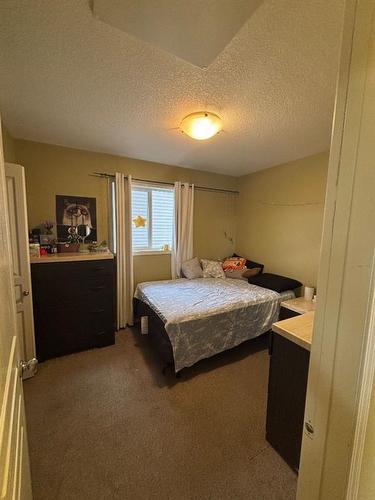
[157,335]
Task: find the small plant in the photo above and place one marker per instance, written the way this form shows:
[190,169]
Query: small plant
[48,226]
[73,235]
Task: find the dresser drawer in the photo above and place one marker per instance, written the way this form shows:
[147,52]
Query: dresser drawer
[69,289]
[99,319]
[99,268]
[102,337]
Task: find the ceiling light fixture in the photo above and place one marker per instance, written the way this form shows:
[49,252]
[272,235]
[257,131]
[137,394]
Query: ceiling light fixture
[201,125]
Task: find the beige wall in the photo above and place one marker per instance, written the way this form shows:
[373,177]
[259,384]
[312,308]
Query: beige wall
[280,214]
[8,145]
[52,170]
[276,220]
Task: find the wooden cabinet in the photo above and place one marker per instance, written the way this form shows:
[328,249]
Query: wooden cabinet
[286,313]
[73,306]
[289,366]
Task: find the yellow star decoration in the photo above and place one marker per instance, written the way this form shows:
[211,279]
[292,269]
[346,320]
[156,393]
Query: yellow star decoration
[139,221]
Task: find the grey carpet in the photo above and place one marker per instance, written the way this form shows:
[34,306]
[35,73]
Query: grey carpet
[106,424]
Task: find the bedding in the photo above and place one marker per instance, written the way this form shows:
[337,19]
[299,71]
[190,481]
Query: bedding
[205,316]
[235,274]
[241,274]
[287,295]
[234,263]
[251,272]
[191,269]
[250,264]
[275,282]
[212,269]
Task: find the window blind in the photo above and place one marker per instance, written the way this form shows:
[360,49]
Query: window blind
[156,205]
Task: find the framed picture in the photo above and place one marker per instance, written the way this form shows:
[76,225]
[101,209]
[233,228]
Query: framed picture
[74,211]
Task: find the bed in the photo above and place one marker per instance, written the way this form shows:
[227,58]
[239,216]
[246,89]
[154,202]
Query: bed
[189,320]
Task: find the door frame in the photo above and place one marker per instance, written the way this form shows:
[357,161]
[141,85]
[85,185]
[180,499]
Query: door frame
[364,400]
[343,329]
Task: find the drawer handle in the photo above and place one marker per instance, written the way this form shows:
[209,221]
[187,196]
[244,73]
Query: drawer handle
[100,333]
[95,288]
[99,268]
[98,311]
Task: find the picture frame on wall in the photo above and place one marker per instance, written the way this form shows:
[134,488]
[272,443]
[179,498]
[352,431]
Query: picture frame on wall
[75,211]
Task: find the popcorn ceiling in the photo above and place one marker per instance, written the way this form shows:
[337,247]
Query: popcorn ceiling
[68,78]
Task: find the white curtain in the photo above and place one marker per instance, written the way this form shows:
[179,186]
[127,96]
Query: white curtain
[183,234]
[124,254]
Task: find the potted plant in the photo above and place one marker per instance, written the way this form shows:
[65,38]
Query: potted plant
[72,244]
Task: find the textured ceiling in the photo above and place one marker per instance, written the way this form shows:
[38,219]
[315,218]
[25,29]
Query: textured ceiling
[195,30]
[68,78]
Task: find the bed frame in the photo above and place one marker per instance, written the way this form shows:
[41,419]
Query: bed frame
[157,334]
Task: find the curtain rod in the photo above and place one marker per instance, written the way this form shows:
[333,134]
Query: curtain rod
[201,188]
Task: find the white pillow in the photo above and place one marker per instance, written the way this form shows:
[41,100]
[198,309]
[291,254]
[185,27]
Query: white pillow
[235,274]
[191,269]
[212,269]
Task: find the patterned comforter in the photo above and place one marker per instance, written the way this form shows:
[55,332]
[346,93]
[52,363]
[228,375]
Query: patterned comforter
[206,316]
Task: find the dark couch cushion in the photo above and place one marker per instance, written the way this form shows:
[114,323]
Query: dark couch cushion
[250,264]
[274,282]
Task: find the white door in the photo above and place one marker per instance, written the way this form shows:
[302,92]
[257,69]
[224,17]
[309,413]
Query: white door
[16,194]
[336,392]
[15,480]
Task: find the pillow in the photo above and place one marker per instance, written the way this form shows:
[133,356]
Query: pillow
[234,263]
[212,269]
[236,274]
[248,273]
[250,264]
[274,282]
[191,269]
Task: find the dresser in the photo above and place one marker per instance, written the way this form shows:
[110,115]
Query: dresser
[73,297]
[287,384]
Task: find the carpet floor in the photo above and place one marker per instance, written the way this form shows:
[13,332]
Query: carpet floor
[106,424]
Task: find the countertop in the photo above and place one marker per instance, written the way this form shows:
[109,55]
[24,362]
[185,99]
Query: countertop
[298,329]
[299,305]
[70,257]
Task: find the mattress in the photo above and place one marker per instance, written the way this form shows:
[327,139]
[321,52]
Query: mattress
[205,316]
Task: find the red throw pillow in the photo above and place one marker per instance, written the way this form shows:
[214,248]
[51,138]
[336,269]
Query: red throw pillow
[234,263]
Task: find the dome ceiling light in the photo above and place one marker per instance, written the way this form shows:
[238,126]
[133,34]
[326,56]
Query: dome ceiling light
[201,125]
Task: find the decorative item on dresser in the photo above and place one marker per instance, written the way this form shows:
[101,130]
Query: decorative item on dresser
[73,296]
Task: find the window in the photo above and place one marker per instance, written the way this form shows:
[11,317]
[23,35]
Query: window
[152,217]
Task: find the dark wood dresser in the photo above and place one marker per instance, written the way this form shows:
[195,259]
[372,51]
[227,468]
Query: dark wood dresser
[73,300]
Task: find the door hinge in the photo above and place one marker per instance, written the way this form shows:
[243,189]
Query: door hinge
[28,368]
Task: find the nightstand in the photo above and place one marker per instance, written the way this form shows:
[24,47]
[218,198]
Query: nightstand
[295,307]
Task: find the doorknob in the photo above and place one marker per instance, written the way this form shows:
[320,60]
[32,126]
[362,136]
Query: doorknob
[26,293]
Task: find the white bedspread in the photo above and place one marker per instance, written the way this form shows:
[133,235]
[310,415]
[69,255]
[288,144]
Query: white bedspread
[205,316]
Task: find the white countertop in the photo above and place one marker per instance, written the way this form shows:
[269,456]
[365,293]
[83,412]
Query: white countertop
[299,305]
[70,257]
[298,329]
